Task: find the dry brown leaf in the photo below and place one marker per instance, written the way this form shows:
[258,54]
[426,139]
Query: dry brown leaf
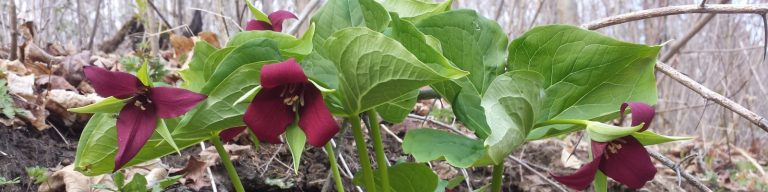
[210,37]
[181,45]
[21,85]
[194,173]
[235,151]
[56,82]
[67,179]
[14,66]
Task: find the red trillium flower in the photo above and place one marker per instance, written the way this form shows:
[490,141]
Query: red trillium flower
[276,18]
[287,94]
[623,159]
[144,105]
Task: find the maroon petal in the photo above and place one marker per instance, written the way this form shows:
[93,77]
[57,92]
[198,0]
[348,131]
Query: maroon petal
[278,17]
[286,72]
[231,133]
[257,25]
[581,179]
[315,119]
[108,83]
[173,102]
[134,127]
[630,165]
[641,113]
[268,116]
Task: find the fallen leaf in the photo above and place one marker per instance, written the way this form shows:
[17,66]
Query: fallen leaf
[194,173]
[210,37]
[67,179]
[21,85]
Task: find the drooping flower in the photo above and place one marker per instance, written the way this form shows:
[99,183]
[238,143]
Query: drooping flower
[138,118]
[623,159]
[275,18]
[287,94]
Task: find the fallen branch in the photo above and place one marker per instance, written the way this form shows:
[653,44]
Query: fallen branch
[674,166]
[675,48]
[676,10]
[713,96]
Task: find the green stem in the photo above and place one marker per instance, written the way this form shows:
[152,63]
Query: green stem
[378,146]
[227,163]
[562,121]
[362,153]
[254,139]
[334,167]
[498,171]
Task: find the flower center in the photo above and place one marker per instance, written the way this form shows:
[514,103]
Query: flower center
[141,99]
[614,146]
[293,95]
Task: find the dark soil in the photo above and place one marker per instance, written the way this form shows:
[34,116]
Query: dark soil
[28,147]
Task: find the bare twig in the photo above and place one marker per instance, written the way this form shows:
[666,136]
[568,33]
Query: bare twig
[524,164]
[303,16]
[95,25]
[14,31]
[210,173]
[674,49]
[58,132]
[671,164]
[676,10]
[713,96]
[167,24]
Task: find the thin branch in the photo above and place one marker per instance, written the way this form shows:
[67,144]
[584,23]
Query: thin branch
[303,16]
[672,165]
[713,96]
[674,49]
[676,10]
[524,164]
[95,25]
[167,24]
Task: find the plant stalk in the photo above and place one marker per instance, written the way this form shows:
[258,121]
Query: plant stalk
[334,167]
[496,181]
[378,146]
[227,163]
[362,153]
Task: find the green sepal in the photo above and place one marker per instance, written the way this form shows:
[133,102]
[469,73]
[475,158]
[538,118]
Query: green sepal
[602,132]
[257,13]
[162,129]
[651,138]
[143,74]
[296,140]
[107,105]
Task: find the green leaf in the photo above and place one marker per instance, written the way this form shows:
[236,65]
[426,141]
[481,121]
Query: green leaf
[213,60]
[602,132]
[168,181]
[650,138]
[248,96]
[406,177]
[143,74]
[193,75]
[138,183]
[429,144]
[512,104]
[339,14]
[296,140]
[119,179]
[600,182]
[99,139]
[586,75]
[473,43]
[162,129]
[212,115]
[257,13]
[373,75]
[397,110]
[255,50]
[415,8]
[106,105]
[288,44]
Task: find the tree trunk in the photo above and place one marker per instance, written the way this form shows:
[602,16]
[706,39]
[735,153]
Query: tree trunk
[14,30]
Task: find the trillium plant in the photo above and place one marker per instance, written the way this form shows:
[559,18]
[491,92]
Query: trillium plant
[366,61]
